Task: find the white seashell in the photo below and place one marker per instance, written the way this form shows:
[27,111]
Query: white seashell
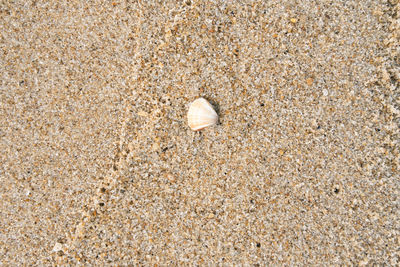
[201,114]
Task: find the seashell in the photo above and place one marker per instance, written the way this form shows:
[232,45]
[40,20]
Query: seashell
[201,114]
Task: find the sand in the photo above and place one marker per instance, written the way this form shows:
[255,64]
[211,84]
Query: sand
[98,166]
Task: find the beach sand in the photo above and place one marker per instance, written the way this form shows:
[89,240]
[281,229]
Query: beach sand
[99,167]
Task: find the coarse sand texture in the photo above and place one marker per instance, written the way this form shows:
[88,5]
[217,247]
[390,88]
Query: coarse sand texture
[98,166]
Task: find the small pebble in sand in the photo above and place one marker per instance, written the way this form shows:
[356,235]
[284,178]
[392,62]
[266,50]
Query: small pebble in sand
[325,92]
[201,114]
[57,247]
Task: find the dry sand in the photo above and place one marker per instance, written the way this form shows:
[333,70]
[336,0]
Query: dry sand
[98,165]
